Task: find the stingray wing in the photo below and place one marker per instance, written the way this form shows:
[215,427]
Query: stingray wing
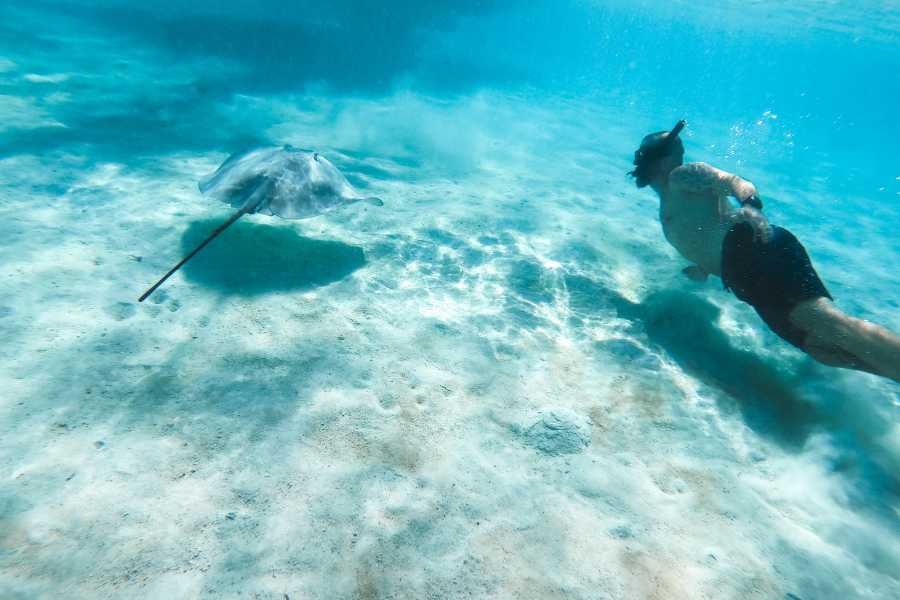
[306,185]
[244,177]
[281,181]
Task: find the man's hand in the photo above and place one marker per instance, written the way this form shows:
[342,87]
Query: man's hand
[761,229]
[745,192]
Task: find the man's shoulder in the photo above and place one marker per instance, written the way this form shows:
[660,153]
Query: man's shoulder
[694,168]
[695,174]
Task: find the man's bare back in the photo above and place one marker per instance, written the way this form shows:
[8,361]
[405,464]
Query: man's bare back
[695,212]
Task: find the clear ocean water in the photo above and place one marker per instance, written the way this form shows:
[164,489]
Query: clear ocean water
[496,385]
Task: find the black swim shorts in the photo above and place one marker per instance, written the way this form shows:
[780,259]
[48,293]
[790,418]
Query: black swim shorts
[773,276]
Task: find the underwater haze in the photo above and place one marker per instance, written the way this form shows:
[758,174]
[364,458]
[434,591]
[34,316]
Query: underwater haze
[496,385]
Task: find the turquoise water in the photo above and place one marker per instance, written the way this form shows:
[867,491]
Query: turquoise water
[496,385]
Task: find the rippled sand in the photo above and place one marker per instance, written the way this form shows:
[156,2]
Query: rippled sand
[496,385]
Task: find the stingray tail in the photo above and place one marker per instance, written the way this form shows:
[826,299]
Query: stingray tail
[202,245]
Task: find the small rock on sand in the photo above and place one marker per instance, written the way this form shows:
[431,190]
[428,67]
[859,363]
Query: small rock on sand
[559,431]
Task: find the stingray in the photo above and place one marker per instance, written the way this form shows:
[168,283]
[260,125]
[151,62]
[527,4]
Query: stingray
[281,181]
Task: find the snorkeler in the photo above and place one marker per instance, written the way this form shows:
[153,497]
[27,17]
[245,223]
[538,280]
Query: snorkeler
[763,265]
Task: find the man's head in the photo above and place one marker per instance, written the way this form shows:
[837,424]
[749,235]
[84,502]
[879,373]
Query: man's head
[659,153]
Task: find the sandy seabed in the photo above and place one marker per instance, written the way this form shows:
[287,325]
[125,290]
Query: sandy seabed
[498,385]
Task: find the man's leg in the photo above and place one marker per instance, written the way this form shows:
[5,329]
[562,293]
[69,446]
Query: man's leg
[828,354]
[836,339]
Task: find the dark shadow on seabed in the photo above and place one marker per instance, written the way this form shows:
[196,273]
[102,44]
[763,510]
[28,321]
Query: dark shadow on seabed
[684,326]
[282,45]
[250,259]
[112,383]
[170,76]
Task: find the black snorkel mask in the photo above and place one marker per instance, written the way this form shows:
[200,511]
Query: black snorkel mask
[654,147]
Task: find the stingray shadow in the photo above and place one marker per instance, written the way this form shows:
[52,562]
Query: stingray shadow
[250,259]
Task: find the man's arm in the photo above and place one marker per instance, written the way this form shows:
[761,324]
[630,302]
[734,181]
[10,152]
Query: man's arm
[702,178]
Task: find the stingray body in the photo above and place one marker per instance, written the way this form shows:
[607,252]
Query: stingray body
[281,181]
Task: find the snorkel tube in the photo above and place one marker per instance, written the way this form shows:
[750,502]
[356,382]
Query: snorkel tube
[676,130]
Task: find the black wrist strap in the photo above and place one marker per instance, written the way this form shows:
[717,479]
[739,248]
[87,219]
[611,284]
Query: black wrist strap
[753,201]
